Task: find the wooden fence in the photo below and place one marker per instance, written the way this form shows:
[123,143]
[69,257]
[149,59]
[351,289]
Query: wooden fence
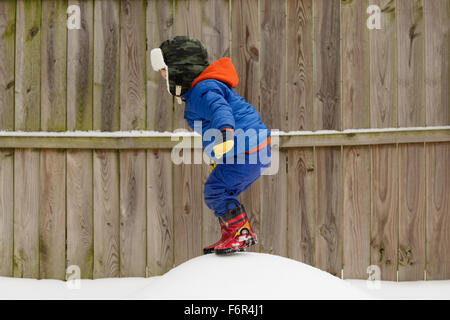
[121,208]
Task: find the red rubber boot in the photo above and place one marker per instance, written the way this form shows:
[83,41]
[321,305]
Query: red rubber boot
[238,234]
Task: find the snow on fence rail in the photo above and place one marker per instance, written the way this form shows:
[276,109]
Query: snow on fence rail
[141,139]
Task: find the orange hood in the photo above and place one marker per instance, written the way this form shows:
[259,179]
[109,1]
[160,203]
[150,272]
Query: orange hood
[222,70]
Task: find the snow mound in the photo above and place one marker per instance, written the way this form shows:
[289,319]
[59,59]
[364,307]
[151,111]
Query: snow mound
[247,276]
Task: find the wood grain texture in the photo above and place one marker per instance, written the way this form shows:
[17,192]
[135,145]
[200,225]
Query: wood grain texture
[187,210]
[384,212]
[26,213]
[52,200]
[245,54]
[80,68]
[301,205]
[132,65]
[187,22]
[355,65]
[133,213]
[328,231]
[356,215]
[299,59]
[187,178]
[80,72]
[273,111]
[53,65]
[80,211]
[52,215]
[411,112]
[273,238]
[106,117]
[7,45]
[411,254]
[159,101]
[437,64]
[106,204]
[160,246]
[383,68]
[411,80]
[438,211]
[216,37]
[27,97]
[273,65]
[133,209]
[245,48]
[6,212]
[106,91]
[327,99]
[27,117]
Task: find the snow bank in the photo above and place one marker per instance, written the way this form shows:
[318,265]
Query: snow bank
[248,276]
[240,276]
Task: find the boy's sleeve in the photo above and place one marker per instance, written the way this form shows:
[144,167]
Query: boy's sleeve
[217,109]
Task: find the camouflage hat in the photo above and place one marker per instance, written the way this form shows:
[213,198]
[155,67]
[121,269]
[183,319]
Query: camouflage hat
[185,58]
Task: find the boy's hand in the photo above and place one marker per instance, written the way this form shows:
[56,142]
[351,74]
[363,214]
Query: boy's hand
[224,142]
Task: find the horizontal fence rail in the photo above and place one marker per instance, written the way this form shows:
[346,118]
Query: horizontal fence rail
[161,140]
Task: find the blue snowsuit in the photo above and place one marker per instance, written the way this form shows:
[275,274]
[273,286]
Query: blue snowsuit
[213,101]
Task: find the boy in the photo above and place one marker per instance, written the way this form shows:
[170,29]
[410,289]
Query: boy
[241,148]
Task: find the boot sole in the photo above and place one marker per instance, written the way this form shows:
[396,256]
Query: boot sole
[229,251]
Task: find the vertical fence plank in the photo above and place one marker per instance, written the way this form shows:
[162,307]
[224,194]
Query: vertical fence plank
[52,210]
[411,112]
[437,64]
[411,254]
[27,117]
[245,49]
[159,166]
[438,211]
[6,212]
[133,212]
[106,110]
[437,97]
[384,212]
[159,101]
[329,211]
[79,211]
[410,47]
[300,198]
[299,65]
[54,62]
[245,52]
[356,215]
[327,105]
[80,56]
[327,115]
[106,214]
[26,213]
[273,113]
[7,45]
[106,118]
[52,215]
[383,68]
[159,212]
[187,178]
[79,162]
[132,65]
[356,160]
[27,105]
[216,37]
[355,65]
[301,205]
